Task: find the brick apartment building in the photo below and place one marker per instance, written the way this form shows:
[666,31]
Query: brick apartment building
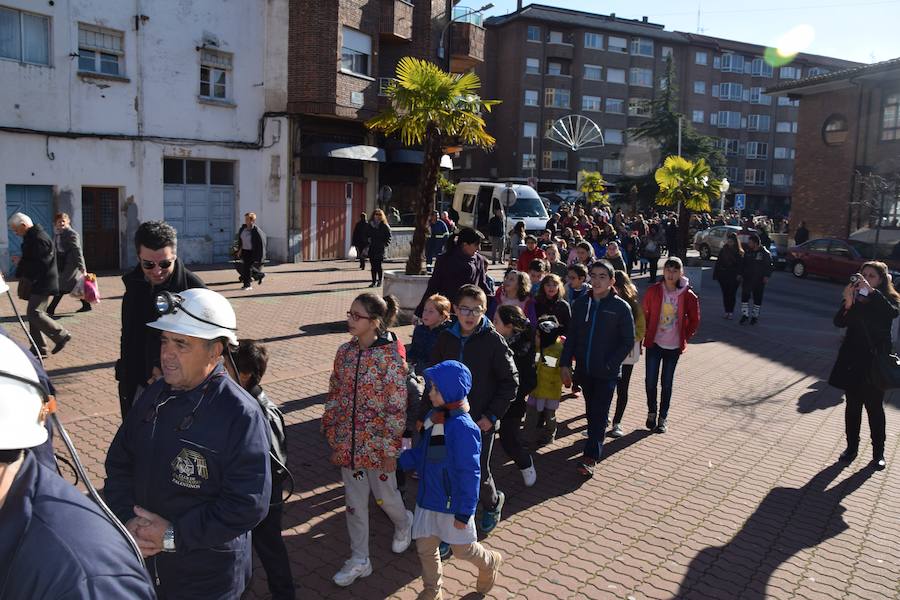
[849,128]
[342,54]
[545,62]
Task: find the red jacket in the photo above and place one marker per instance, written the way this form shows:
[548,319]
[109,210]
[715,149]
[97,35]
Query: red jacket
[527,256]
[688,314]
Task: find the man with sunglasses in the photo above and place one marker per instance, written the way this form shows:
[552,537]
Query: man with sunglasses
[158,270]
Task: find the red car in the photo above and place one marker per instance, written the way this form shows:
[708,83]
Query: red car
[835,259]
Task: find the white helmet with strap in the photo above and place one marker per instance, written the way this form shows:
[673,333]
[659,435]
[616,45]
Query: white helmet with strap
[3,287]
[21,400]
[198,313]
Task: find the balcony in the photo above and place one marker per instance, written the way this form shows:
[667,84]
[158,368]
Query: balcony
[396,20]
[466,46]
[559,50]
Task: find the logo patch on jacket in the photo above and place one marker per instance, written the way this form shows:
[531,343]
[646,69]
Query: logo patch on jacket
[189,469]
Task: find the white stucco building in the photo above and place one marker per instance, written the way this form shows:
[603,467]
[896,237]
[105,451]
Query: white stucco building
[118,112]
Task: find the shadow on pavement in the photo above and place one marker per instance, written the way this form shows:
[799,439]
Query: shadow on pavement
[819,396]
[787,521]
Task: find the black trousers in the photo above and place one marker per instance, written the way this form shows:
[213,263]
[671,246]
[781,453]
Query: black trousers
[51,310]
[622,392]
[377,273]
[249,268]
[754,289]
[269,547]
[511,434]
[729,287]
[654,262]
[873,400]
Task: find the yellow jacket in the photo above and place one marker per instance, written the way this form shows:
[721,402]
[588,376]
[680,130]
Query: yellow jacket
[549,381]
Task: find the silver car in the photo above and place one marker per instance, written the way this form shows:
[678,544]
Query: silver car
[708,242]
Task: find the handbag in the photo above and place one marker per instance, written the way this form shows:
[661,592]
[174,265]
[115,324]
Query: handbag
[23,290]
[884,373]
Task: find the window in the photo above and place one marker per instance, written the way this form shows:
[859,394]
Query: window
[759,122]
[789,72]
[835,130]
[729,147]
[24,36]
[356,51]
[729,119]
[198,172]
[528,161]
[529,129]
[593,72]
[638,107]
[697,116]
[786,127]
[593,40]
[533,66]
[731,91]
[642,77]
[531,97]
[617,44]
[760,68]
[700,58]
[663,83]
[732,174]
[556,159]
[613,136]
[612,166]
[100,50]
[383,85]
[615,105]
[557,68]
[890,118]
[615,75]
[782,179]
[812,73]
[667,51]
[699,87]
[534,33]
[215,74]
[732,63]
[548,125]
[757,150]
[754,177]
[786,101]
[590,103]
[556,98]
[781,152]
[642,47]
[555,37]
[590,165]
[758,97]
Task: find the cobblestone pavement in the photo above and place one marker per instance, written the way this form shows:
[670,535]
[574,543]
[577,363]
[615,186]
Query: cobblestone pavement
[741,499]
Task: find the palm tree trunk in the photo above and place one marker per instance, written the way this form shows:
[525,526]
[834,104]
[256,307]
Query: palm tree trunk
[415,265]
[684,221]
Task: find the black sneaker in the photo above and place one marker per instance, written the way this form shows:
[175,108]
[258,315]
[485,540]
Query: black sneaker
[848,455]
[61,343]
[651,421]
[744,319]
[754,320]
[662,427]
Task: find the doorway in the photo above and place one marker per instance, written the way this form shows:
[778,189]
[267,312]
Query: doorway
[100,228]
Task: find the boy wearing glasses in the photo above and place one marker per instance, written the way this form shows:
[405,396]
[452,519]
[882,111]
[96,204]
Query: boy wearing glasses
[158,270]
[473,341]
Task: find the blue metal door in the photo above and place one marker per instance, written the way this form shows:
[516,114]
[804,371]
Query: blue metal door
[36,201]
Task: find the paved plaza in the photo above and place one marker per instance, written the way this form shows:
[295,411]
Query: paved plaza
[741,499]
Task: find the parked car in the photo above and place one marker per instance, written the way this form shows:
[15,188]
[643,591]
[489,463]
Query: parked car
[708,242]
[835,258]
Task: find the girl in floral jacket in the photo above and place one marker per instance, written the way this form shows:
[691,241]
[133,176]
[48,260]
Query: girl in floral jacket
[364,418]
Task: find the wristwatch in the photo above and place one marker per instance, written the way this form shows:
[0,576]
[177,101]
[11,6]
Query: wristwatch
[168,541]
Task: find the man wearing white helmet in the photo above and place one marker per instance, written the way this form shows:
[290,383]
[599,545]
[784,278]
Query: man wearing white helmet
[188,471]
[54,542]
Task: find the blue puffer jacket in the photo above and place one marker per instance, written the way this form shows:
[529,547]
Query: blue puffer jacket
[601,334]
[423,340]
[447,459]
[200,459]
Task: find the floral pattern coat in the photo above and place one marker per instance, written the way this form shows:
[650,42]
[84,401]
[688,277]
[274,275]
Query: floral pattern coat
[365,413]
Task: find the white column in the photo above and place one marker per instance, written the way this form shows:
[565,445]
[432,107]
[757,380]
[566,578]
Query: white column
[349,220]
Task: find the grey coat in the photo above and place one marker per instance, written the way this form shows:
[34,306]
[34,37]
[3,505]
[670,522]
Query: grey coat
[69,259]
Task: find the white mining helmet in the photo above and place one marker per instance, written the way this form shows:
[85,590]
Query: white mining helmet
[3,287]
[21,400]
[197,312]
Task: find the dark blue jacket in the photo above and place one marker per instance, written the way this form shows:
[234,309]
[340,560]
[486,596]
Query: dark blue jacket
[55,543]
[447,460]
[199,459]
[601,334]
[423,340]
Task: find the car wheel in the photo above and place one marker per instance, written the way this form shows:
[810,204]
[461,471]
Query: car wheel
[705,252]
[799,269]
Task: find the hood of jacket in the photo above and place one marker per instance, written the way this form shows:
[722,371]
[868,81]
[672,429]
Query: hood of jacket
[482,327]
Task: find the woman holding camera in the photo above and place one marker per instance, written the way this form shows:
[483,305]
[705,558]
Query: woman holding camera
[869,306]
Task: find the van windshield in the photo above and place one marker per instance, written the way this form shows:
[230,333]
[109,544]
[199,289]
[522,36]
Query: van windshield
[527,207]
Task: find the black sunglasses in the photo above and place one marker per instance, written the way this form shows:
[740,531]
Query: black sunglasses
[148,265]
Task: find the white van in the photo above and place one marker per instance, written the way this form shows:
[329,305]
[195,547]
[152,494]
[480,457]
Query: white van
[475,202]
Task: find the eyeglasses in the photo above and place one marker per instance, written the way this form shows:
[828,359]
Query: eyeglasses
[356,316]
[149,265]
[467,311]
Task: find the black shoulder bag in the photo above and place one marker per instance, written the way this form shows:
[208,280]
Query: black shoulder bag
[884,373]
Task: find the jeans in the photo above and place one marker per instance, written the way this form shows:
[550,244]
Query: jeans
[269,547]
[511,434]
[873,400]
[729,285]
[669,360]
[497,249]
[598,395]
[622,392]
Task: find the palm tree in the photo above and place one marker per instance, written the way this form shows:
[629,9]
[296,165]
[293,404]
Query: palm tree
[689,185]
[433,109]
[593,186]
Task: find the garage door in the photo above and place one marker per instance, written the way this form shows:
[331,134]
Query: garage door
[36,201]
[198,201]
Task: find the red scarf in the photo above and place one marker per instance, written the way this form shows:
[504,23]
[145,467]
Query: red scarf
[440,414]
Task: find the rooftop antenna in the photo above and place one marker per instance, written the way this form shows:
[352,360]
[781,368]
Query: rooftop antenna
[699,29]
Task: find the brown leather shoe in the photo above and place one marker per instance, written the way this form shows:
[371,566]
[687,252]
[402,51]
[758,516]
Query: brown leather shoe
[487,578]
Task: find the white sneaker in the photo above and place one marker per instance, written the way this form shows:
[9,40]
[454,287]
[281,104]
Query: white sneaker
[529,475]
[351,571]
[616,431]
[247,287]
[402,537]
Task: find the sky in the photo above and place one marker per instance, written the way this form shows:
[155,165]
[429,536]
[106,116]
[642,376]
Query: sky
[861,30]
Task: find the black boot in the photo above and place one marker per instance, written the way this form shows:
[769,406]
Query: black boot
[848,455]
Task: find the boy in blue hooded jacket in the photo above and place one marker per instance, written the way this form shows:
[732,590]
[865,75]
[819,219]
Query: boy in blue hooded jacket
[447,459]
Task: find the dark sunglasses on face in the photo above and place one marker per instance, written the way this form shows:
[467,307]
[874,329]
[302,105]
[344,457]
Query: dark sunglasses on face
[149,265]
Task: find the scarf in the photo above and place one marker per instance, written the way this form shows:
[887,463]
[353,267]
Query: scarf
[439,416]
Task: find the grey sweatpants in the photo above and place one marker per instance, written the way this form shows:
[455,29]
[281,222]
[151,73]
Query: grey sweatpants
[357,484]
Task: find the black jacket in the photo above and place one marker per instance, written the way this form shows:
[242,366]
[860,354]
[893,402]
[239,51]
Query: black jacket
[258,238]
[278,446]
[139,345]
[454,269]
[559,308]
[801,235]
[728,264]
[497,226]
[495,378]
[360,239]
[872,316]
[378,238]
[522,346]
[38,262]
[756,265]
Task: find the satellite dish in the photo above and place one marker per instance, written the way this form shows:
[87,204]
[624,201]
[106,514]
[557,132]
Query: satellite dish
[576,132]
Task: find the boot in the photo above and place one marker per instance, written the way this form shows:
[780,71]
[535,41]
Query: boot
[549,429]
[431,570]
[487,577]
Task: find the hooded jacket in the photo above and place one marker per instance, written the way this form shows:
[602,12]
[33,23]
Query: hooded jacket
[365,413]
[688,312]
[601,334]
[756,265]
[200,459]
[38,262]
[423,341]
[522,346]
[868,332]
[454,269]
[495,378]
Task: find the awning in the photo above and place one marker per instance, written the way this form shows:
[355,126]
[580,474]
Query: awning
[345,151]
[417,157]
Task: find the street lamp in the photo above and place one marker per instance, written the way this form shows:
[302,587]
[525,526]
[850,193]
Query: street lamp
[723,189]
[468,13]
